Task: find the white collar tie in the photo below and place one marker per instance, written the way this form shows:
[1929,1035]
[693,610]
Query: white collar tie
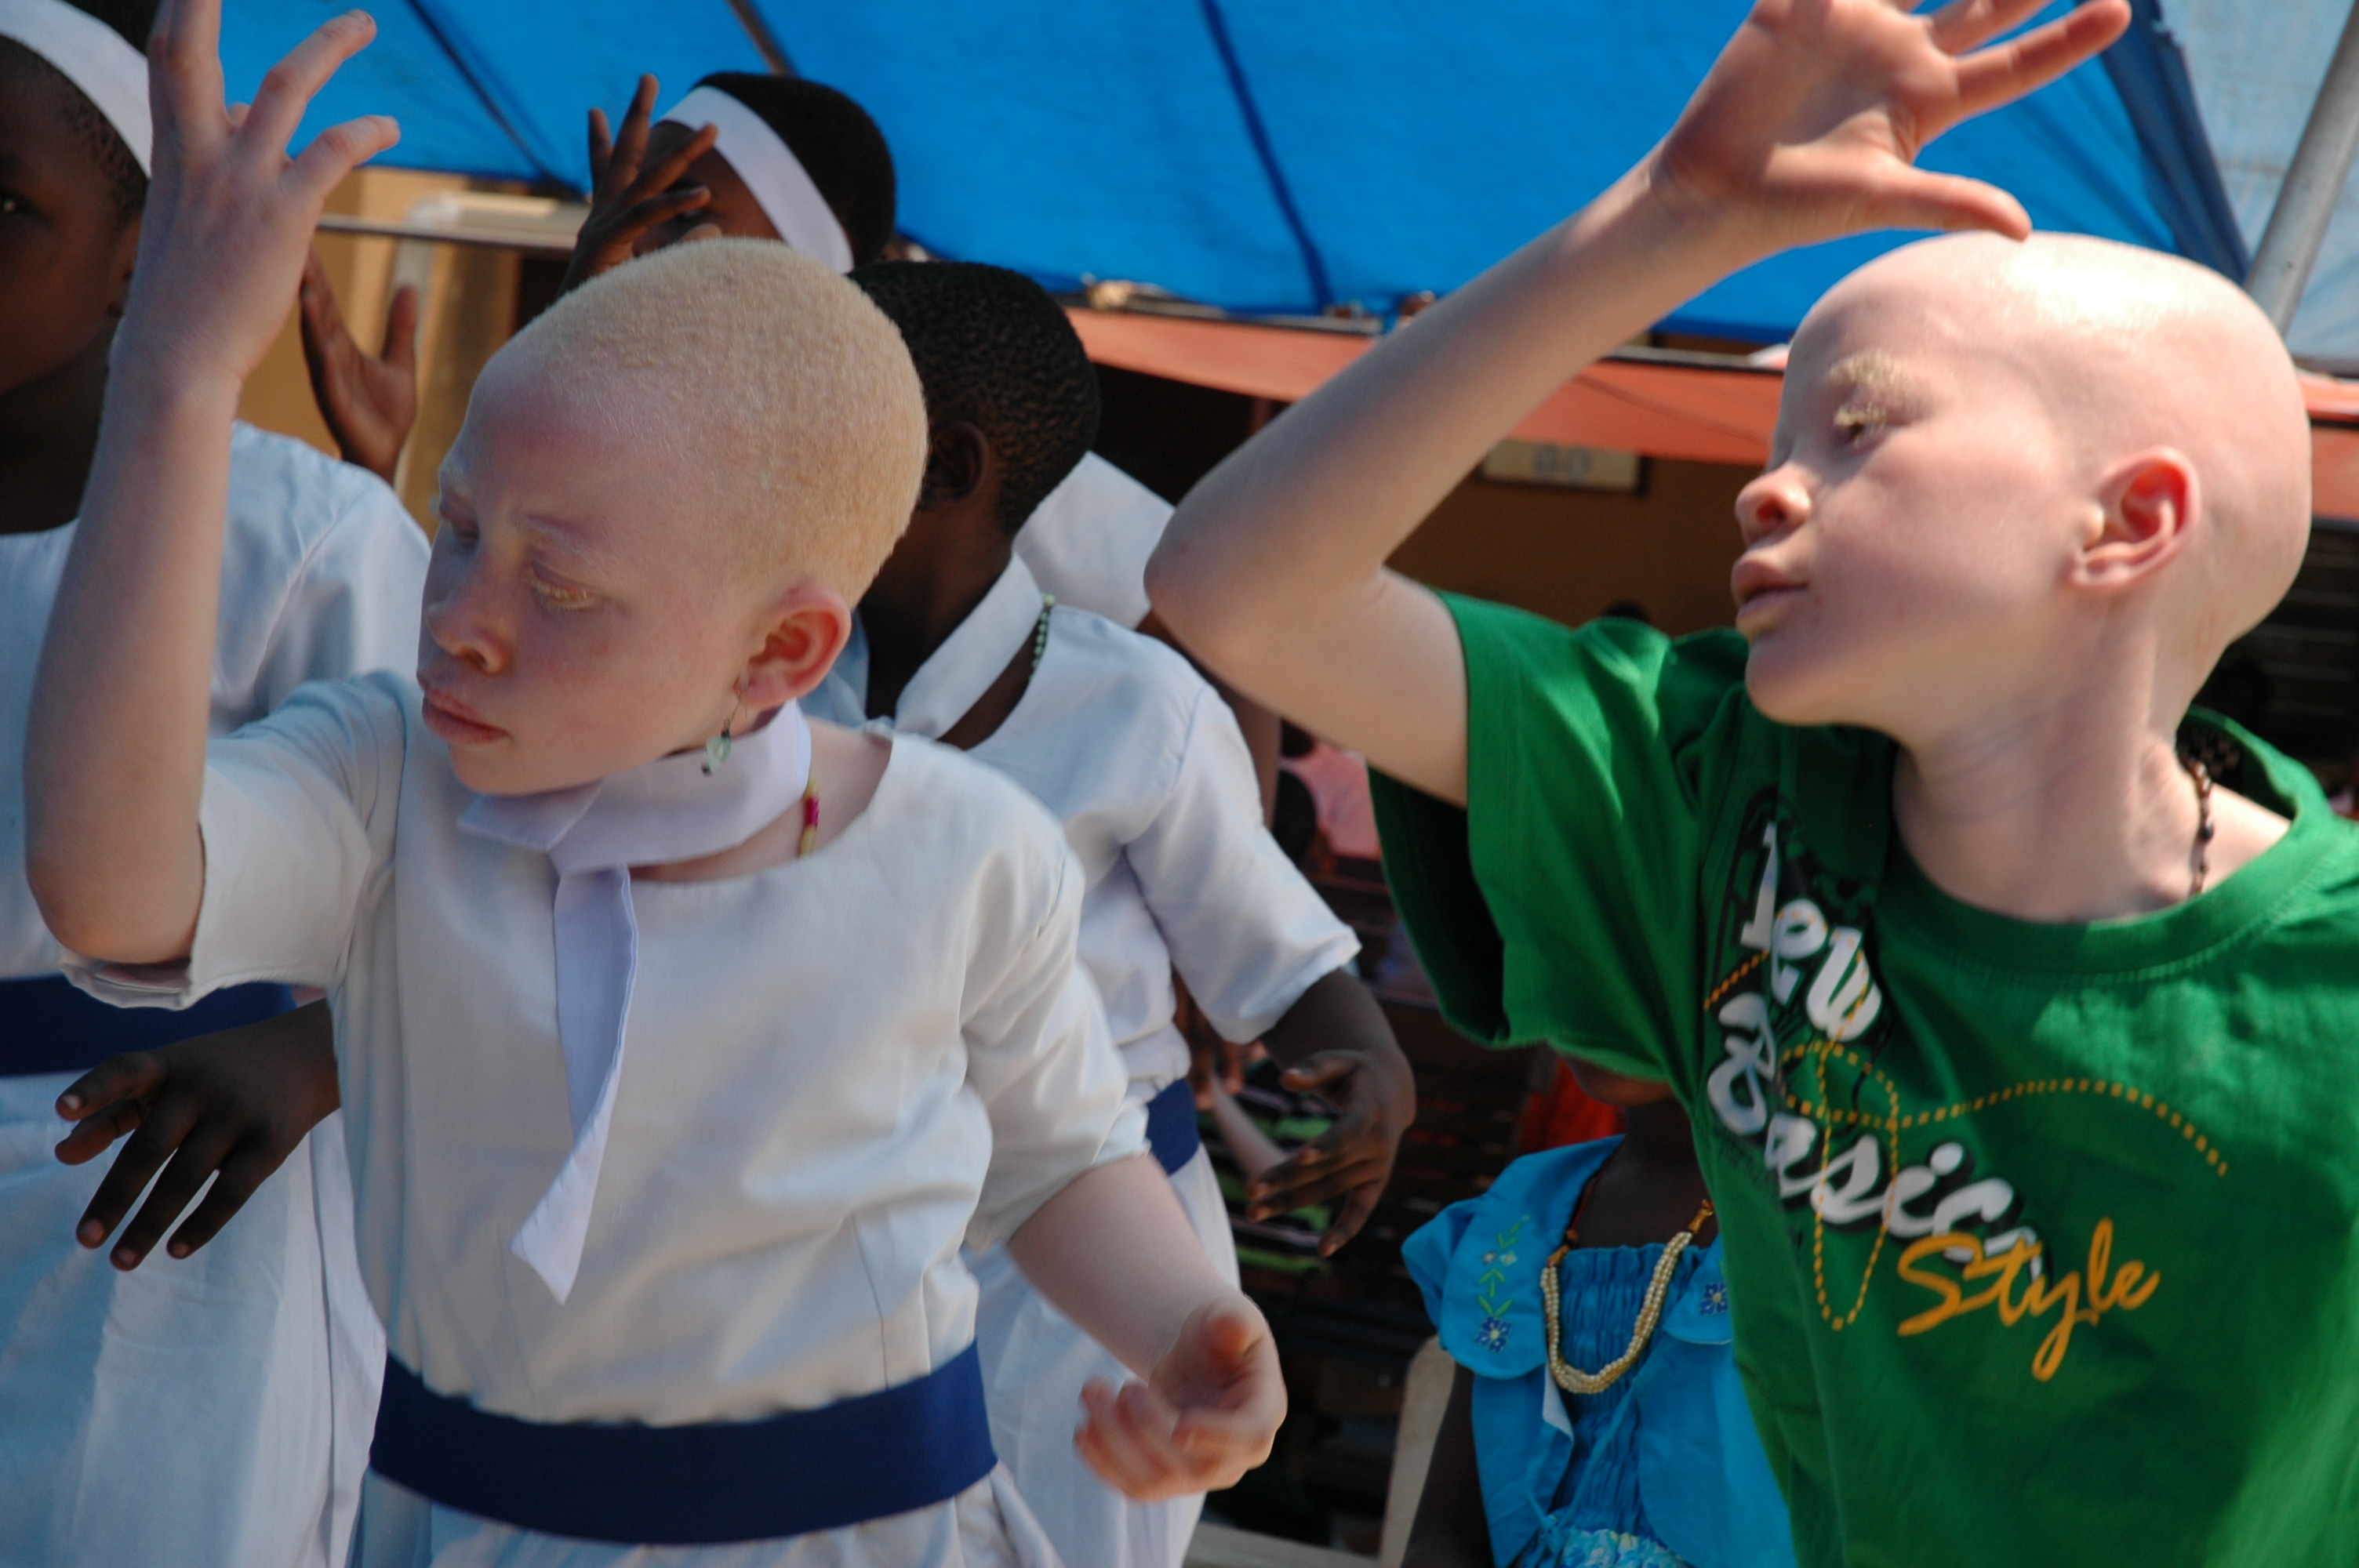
[972,657]
[660,812]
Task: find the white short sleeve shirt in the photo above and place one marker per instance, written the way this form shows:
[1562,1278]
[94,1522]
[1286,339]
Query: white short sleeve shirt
[1140,760]
[839,1070]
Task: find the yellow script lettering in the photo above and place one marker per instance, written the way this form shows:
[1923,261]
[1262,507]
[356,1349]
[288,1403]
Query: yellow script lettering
[2106,1289]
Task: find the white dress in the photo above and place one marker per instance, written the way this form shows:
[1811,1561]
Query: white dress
[1142,761]
[215,1408]
[839,1070]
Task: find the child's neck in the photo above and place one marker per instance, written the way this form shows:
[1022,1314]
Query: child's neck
[908,615]
[2067,815]
[48,429]
[1651,1187]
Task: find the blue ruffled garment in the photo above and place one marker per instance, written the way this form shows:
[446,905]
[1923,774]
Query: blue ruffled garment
[1661,1469]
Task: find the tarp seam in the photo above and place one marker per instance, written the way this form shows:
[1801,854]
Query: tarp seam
[1313,263]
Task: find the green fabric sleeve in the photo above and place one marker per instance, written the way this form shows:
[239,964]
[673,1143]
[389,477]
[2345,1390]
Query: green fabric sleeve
[1562,904]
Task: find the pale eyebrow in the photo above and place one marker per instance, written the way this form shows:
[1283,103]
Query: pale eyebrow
[1872,374]
[577,548]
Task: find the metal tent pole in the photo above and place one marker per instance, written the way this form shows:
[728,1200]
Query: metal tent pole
[2313,183]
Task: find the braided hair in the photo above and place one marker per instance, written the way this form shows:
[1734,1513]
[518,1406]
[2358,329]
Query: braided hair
[994,350]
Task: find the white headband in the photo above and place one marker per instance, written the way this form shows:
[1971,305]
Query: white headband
[767,166]
[93,56]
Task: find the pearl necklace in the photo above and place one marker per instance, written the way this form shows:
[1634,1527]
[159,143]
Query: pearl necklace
[1571,1379]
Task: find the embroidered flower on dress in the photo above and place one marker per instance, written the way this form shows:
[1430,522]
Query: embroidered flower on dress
[1492,1333]
[1715,1298]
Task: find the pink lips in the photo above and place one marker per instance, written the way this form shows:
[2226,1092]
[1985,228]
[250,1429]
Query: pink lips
[1757,585]
[457,724]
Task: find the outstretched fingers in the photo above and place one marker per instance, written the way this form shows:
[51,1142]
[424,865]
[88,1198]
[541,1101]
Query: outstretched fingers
[400,347]
[336,152]
[1962,25]
[668,173]
[2004,72]
[288,87]
[159,1133]
[1916,199]
[247,1166]
[184,76]
[202,1150]
[107,1102]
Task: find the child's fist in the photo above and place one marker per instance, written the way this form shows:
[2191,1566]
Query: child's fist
[1208,1415]
[1809,124]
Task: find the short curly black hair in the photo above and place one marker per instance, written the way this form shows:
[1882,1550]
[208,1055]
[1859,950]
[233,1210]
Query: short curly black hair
[838,145]
[994,350]
[126,182]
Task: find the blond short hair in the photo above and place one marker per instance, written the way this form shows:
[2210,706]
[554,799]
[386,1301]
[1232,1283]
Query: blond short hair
[777,378]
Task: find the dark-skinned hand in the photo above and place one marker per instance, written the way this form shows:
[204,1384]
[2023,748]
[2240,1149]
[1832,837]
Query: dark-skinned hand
[627,201]
[236,1102]
[370,403]
[1363,1073]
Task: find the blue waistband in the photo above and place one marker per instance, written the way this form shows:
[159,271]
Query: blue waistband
[47,1027]
[1171,1126]
[904,1448]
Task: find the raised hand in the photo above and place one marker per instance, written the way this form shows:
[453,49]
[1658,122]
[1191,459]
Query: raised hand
[626,199]
[1352,1159]
[238,1103]
[1209,1414]
[370,404]
[229,216]
[1809,123]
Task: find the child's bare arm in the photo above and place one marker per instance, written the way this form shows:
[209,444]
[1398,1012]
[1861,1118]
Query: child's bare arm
[238,1103]
[1113,1252]
[1451,1529]
[1806,128]
[115,746]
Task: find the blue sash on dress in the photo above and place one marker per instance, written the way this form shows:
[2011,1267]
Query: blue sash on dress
[47,1027]
[1171,1128]
[908,1446]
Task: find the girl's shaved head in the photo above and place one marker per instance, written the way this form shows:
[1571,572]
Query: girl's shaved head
[782,396]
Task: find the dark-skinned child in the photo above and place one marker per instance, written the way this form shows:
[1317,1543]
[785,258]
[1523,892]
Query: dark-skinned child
[1596,1418]
[216,1408]
[1138,757]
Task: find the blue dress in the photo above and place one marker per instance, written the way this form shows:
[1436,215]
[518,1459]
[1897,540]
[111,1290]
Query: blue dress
[1661,1469]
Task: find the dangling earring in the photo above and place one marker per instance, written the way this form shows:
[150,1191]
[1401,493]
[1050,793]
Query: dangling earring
[716,751]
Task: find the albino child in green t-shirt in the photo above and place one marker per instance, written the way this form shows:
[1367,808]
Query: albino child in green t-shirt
[2020,1053]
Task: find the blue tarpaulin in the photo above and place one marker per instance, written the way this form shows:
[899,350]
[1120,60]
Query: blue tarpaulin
[1271,159]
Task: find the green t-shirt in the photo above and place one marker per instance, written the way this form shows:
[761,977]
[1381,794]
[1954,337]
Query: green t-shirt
[2041,1239]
